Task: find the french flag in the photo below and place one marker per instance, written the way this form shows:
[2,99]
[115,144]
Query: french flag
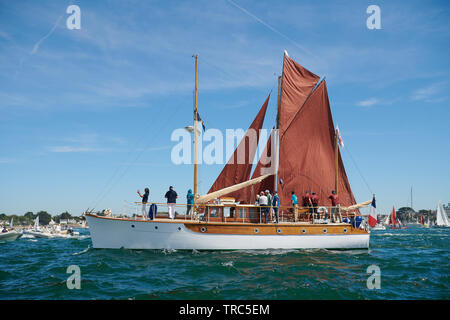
[373,213]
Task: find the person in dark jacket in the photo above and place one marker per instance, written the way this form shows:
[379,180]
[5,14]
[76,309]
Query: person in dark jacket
[171,196]
[144,202]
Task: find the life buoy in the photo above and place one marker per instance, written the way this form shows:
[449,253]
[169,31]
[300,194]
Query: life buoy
[322,210]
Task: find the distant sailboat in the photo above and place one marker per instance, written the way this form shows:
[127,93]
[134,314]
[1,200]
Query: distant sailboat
[395,223]
[441,216]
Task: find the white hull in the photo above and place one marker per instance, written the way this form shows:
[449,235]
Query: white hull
[115,233]
[10,236]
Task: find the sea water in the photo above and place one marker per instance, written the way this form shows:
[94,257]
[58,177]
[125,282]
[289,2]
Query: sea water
[413,263]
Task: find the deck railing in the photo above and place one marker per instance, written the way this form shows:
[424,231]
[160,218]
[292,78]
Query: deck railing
[246,213]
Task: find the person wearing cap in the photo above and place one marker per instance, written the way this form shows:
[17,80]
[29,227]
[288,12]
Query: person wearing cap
[294,203]
[263,202]
[171,196]
[144,202]
[334,204]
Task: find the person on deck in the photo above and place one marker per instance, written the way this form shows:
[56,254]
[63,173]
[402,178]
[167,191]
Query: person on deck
[335,204]
[190,201]
[315,204]
[269,203]
[263,201]
[171,196]
[306,201]
[144,202]
[276,205]
[294,203]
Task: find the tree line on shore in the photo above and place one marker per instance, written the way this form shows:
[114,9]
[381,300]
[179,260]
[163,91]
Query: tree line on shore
[409,215]
[44,218]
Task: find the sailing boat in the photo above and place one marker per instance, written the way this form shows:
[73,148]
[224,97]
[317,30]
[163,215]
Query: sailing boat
[394,222]
[301,154]
[441,216]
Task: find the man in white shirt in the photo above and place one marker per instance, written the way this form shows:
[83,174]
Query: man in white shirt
[263,201]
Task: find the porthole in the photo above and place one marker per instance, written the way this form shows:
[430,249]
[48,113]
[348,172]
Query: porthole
[202,229]
[324,230]
[179,228]
[156,227]
[256,230]
[279,231]
[303,230]
[132,225]
[345,230]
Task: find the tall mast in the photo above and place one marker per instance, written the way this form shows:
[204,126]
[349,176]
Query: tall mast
[275,181]
[336,162]
[195,125]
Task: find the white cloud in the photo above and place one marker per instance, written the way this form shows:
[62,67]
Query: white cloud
[368,103]
[429,92]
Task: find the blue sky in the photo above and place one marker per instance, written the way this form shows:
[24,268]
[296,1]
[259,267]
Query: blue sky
[86,115]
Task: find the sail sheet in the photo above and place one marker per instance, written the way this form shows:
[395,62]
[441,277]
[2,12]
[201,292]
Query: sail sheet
[297,84]
[237,170]
[307,152]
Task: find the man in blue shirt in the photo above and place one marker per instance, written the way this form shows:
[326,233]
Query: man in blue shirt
[276,205]
[294,202]
[190,201]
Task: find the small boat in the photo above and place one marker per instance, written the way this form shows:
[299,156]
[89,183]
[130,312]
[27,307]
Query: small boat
[378,226]
[11,234]
[395,223]
[441,216]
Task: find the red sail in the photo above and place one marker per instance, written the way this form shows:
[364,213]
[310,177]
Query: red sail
[297,83]
[237,171]
[265,166]
[307,152]
[393,217]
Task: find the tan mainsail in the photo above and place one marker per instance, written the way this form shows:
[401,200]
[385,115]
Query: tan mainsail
[228,190]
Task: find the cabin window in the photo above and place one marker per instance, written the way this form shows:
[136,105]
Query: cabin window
[213,212]
[253,213]
[242,213]
[226,212]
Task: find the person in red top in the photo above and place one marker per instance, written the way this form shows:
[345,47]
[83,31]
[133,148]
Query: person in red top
[315,203]
[306,201]
[334,203]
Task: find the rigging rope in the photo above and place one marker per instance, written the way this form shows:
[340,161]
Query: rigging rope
[359,171]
